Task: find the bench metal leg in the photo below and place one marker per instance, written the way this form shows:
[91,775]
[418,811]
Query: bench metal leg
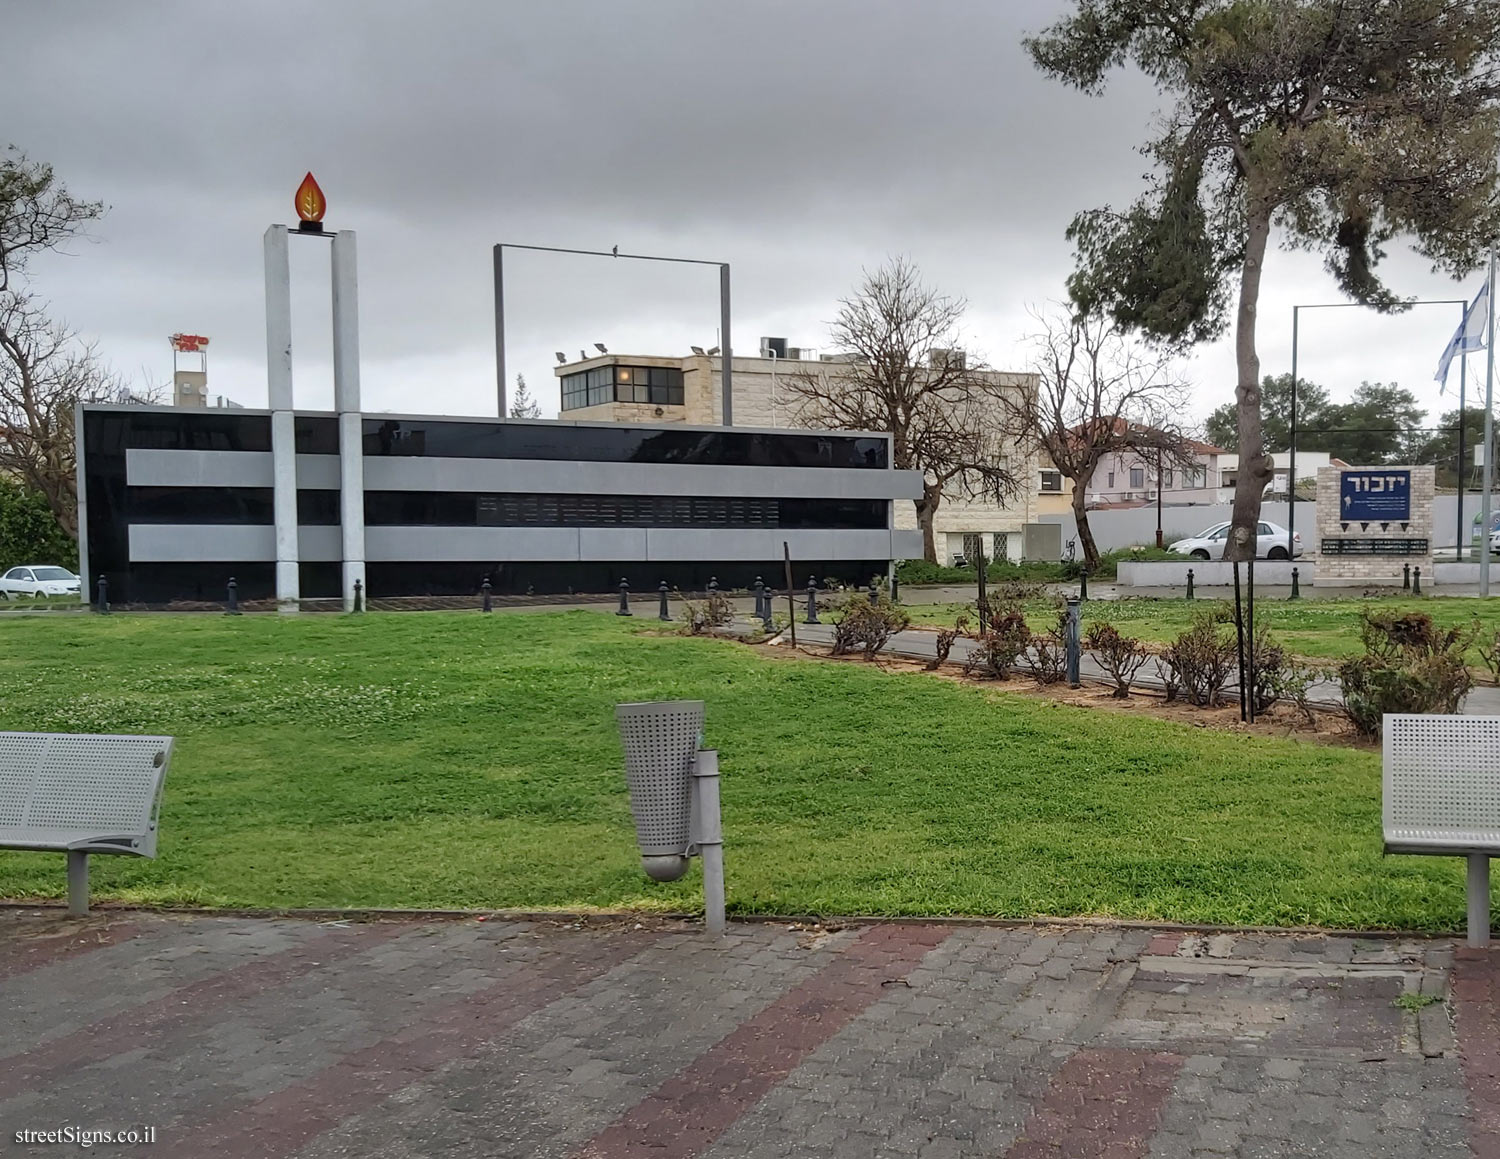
[1479,899]
[78,881]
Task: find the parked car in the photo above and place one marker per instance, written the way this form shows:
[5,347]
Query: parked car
[38,580]
[1271,542]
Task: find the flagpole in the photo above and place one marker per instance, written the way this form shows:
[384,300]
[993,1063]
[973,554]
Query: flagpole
[1463,374]
[1489,436]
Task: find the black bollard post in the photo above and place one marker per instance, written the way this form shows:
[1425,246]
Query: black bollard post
[1406,577]
[812,600]
[486,604]
[1416,581]
[232,601]
[359,595]
[760,598]
[895,589]
[713,584]
[1190,583]
[1073,643]
[103,605]
[666,613]
[1296,591]
[874,591]
[624,599]
[1083,584]
[766,610]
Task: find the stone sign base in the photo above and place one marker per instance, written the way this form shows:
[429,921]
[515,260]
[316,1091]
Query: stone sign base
[1372,550]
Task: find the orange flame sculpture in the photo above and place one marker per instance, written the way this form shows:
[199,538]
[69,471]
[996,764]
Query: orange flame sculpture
[310,203]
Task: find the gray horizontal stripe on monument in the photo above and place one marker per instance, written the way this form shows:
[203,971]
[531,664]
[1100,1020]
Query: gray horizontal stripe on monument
[227,543]
[156,468]
[147,467]
[230,543]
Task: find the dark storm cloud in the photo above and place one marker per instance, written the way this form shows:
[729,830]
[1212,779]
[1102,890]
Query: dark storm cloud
[798,141]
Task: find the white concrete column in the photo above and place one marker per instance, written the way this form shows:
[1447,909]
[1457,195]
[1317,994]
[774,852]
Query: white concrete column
[347,402]
[283,427]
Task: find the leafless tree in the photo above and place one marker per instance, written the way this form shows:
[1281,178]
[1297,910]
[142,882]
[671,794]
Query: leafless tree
[1099,394]
[44,370]
[44,373]
[903,370]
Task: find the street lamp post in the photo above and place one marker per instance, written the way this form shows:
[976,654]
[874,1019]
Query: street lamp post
[725,375]
[1291,473]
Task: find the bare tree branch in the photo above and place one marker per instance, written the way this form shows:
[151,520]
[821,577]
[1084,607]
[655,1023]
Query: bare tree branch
[903,371]
[44,373]
[1099,394]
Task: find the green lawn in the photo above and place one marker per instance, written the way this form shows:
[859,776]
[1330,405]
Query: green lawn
[454,759]
[1319,629]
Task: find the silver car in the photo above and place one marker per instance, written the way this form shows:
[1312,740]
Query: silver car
[1271,542]
[38,580]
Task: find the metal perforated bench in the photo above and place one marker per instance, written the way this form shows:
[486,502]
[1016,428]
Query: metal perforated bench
[81,794]
[1441,795]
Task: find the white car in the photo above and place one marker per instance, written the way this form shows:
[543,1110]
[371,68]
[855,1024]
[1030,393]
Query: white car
[1271,542]
[38,580]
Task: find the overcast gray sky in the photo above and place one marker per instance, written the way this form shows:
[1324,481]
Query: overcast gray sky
[798,141]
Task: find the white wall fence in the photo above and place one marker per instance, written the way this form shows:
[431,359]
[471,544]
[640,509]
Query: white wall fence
[1126,527]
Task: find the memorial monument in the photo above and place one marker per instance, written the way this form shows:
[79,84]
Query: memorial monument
[1373,522]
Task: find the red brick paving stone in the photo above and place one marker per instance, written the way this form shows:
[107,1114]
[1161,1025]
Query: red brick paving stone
[281,1123]
[1101,1102]
[23,954]
[1164,945]
[203,1000]
[688,1112]
[1476,993]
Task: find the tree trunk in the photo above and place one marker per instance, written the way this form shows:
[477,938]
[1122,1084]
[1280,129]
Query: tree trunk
[1255,465]
[927,506]
[1085,534]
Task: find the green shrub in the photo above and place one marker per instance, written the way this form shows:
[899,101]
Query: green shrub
[29,532]
[866,626]
[1120,656]
[1109,561]
[1004,641]
[946,638]
[1199,663]
[1409,666]
[699,617]
[1049,649]
[921,571]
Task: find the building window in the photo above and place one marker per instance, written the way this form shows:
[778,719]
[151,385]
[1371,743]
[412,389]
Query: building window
[1111,480]
[1166,479]
[1227,478]
[1051,480]
[473,509]
[1137,476]
[973,545]
[652,385]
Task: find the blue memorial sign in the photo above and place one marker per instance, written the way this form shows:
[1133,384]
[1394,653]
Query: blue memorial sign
[1375,495]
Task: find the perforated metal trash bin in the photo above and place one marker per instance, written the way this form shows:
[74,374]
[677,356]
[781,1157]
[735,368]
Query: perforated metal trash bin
[661,740]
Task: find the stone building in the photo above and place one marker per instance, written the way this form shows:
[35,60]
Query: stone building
[637,388]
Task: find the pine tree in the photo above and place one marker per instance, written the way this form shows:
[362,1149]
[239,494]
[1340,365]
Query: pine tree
[523,406]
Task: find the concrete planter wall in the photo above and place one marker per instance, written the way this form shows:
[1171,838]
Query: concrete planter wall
[1209,574]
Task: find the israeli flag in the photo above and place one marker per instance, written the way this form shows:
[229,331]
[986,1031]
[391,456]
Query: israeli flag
[1468,337]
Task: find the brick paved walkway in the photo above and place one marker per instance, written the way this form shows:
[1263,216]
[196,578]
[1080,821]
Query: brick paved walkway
[270,1038]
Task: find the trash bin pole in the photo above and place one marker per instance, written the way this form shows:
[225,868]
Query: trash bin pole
[709,837]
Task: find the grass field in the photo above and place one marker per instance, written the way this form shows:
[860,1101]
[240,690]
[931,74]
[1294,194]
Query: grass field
[452,759]
[1318,629]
